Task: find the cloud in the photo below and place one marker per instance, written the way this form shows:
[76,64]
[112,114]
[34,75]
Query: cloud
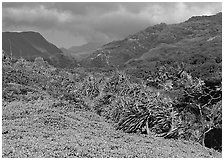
[35,15]
[93,21]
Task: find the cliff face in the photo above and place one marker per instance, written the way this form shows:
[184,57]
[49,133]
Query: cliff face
[30,45]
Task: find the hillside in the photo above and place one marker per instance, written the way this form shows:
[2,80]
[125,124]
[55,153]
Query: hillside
[197,42]
[30,45]
[154,94]
[55,112]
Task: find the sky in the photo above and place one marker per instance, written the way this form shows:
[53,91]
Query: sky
[75,23]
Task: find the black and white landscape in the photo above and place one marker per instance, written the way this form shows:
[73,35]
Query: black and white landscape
[111,80]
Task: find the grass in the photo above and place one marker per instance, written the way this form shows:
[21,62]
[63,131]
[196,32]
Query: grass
[42,129]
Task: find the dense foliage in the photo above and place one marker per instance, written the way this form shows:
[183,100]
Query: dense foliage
[168,102]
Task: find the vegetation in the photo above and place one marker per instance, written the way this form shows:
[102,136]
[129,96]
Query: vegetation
[168,103]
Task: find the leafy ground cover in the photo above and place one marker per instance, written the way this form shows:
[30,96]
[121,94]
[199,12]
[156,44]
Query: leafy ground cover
[43,129]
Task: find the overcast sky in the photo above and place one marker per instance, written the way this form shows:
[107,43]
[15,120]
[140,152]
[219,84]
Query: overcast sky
[68,24]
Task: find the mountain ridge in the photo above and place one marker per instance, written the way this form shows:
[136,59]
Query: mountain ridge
[197,42]
[134,46]
[30,45]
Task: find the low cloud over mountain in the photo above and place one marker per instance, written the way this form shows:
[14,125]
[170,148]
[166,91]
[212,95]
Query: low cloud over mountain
[79,23]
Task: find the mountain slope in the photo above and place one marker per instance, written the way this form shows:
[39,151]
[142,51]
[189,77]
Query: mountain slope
[187,41]
[30,45]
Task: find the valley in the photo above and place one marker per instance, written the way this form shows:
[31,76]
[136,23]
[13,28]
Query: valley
[154,94]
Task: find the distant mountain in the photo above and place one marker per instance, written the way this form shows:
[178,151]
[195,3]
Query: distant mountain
[197,41]
[91,46]
[30,45]
[83,51]
[65,50]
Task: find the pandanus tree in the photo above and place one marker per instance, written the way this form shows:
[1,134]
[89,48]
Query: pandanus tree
[191,97]
[182,107]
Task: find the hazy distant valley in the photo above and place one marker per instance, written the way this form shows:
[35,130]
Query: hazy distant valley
[83,51]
